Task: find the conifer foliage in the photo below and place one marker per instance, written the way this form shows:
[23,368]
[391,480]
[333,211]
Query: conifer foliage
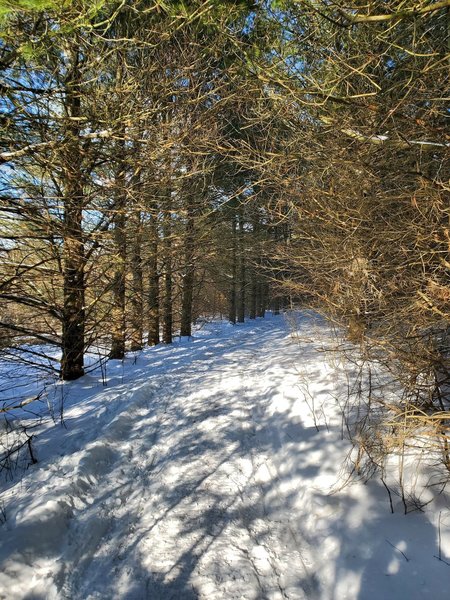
[166,160]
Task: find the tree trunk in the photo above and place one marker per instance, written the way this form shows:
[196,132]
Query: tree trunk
[73,325]
[118,310]
[276,305]
[137,305]
[153,284]
[275,272]
[241,271]
[254,275]
[232,290]
[262,299]
[167,240]
[253,294]
[189,272]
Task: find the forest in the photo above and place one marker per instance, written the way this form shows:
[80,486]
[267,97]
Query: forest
[224,288]
[165,161]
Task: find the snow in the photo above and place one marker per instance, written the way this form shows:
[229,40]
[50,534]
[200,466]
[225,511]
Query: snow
[212,469]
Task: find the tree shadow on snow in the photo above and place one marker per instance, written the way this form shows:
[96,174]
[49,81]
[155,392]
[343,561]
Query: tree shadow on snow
[216,498]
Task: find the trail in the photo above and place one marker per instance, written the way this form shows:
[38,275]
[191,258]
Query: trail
[203,527]
[200,475]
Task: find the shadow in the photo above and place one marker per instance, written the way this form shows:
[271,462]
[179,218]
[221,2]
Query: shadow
[203,475]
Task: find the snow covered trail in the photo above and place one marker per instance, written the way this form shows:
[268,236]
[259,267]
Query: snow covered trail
[200,474]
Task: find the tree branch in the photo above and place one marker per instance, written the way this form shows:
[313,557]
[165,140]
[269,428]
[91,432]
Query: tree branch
[38,336]
[31,148]
[400,15]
